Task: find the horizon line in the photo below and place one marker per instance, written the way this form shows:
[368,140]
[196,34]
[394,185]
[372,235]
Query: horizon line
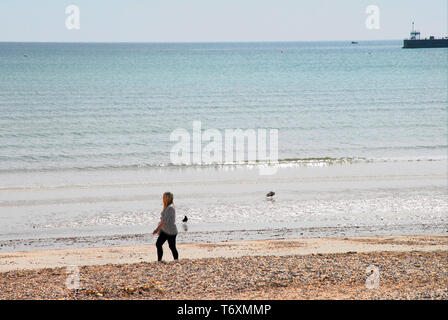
[201,42]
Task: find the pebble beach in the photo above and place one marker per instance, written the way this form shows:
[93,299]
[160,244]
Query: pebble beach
[402,275]
[296,165]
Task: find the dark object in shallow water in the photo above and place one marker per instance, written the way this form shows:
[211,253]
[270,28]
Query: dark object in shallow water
[185,219]
[270,194]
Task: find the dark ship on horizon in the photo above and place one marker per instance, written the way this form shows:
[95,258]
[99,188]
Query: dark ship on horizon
[414,41]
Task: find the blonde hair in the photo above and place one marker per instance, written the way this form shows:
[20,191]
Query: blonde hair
[169,197]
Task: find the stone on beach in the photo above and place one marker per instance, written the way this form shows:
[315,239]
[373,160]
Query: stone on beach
[403,275]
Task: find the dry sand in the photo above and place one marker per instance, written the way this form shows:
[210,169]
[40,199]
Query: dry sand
[410,267]
[135,254]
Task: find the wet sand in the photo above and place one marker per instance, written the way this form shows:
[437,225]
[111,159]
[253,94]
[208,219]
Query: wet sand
[410,267]
[120,208]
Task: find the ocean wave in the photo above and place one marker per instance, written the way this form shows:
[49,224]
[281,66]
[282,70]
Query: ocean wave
[286,162]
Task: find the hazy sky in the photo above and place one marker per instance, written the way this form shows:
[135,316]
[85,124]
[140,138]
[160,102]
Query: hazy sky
[218,20]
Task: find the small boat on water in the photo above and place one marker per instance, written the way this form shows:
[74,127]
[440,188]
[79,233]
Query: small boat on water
[354,42]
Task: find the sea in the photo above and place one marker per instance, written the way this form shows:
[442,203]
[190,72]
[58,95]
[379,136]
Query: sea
[85,141]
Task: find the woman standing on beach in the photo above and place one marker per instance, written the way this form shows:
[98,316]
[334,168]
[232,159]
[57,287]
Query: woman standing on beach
[167,229]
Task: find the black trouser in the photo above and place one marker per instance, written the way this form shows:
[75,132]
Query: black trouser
[171,242]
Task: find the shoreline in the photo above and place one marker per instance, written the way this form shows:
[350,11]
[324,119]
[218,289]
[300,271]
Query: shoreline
[93,256]
[411,267]
[346,200]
